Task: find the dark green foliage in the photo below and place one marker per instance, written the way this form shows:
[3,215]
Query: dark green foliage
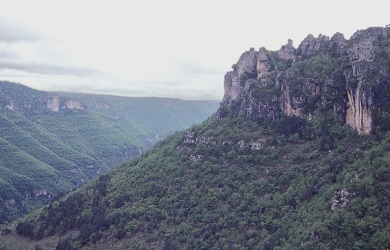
[25,229]
[265,93]
[384,122]
[66,244]
[289,125]
[319,66]
[246,76]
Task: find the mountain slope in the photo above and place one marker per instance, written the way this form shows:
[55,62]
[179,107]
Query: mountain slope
[232,184]
[51,144]
[279,166]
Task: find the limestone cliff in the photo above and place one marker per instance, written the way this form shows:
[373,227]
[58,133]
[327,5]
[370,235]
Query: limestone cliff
[73,104]
[53,103]
[348,77]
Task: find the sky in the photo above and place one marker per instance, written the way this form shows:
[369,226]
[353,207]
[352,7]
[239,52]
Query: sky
[171,48]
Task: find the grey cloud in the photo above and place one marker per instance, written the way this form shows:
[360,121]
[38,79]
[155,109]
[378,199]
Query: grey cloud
[12,33]
[5,54]
[45,69]
[163,83]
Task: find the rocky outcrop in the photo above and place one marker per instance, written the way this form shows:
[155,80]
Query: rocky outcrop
[290,105]
[196,158]
[234,80]
[338,44]
[53,104]
[10,106]
[191,141]
[73,104]
[311,45]
[287,52]
[347,77]
[257,145]
[262,66]
[42,192]
[340,199]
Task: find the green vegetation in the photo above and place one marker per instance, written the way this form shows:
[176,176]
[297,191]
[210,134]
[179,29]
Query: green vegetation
[310,185]
[41,159]
[44,154]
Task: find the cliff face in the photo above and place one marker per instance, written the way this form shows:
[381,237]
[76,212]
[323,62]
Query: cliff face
[53,103]
[348,77]
[368,78]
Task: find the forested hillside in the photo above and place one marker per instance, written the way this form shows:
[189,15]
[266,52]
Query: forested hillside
[232,184]
[51,144]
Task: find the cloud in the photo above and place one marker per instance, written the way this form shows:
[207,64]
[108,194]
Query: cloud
[6,54]
[189,68]
[12,33]
[48,69]
[176,49]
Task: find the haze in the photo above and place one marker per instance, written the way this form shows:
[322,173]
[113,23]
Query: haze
[172,48]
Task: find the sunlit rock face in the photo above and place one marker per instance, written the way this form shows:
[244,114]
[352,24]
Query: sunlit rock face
[367,78]
[349,77]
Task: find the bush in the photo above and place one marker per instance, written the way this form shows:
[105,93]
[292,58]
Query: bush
[67,244]
[25,229]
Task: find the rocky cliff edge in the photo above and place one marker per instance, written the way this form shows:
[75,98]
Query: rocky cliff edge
[350,78]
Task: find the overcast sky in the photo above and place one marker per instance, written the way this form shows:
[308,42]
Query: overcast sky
[169,48]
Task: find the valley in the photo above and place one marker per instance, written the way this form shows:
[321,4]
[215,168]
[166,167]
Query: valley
[52,143]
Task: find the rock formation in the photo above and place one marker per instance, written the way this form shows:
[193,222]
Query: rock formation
[54,104]
[73,104]
[349,77]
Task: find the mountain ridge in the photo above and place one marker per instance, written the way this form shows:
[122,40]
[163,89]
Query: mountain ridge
[304,80]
